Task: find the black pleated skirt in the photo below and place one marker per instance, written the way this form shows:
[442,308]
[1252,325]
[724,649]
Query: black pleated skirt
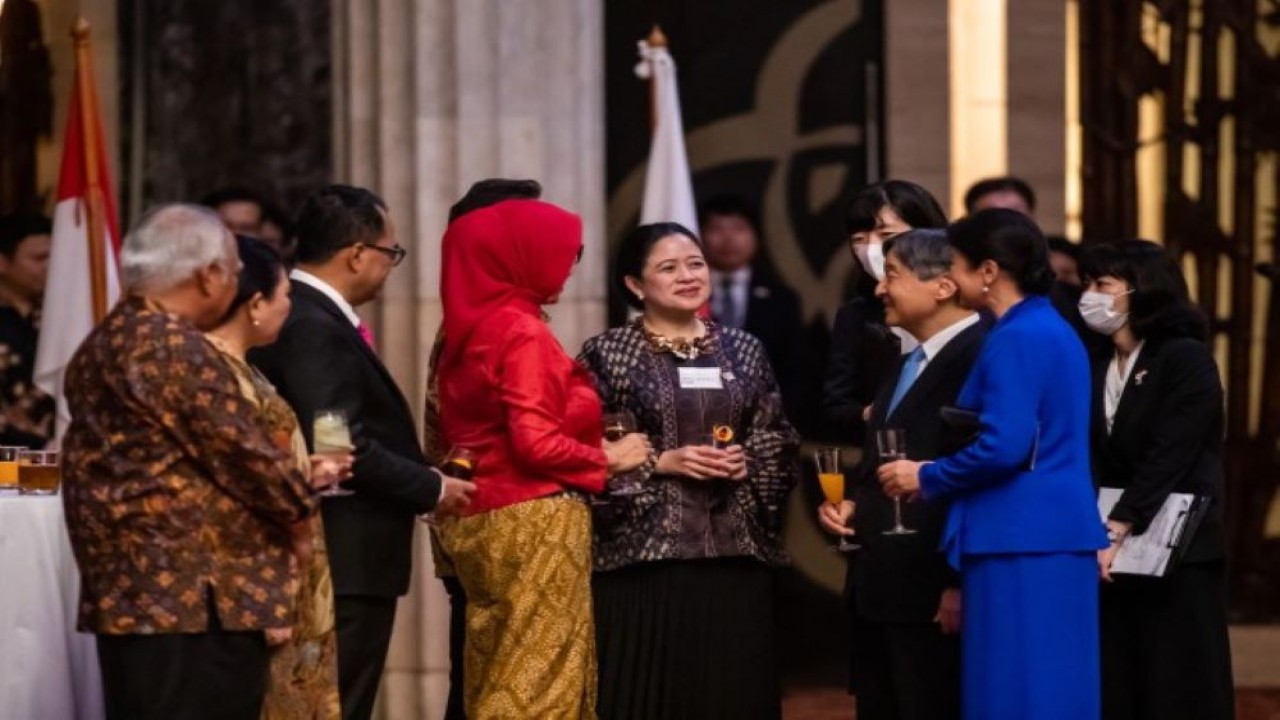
[687,639]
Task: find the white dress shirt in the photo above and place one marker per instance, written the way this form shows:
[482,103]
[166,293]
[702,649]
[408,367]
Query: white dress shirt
[1113,388]
[327,290]
[934,345]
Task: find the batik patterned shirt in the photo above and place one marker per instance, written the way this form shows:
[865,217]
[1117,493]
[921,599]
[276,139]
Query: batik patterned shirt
[178,499]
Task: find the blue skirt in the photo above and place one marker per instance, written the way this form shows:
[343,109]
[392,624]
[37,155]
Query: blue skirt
[1030,642]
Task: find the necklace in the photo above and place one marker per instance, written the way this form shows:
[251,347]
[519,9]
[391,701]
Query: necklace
[683,348]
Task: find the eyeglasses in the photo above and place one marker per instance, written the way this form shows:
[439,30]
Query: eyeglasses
[395,252]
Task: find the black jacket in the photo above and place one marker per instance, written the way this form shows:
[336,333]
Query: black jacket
[900,578]
[321,362]
[773,316]
[863,352]
[1167,436]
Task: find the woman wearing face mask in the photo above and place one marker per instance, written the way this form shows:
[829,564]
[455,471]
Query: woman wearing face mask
[1157,429]
[1023,526]
[863,349]
[684,565]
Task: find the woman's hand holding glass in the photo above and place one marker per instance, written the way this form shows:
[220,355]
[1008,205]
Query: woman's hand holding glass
[704,462]
[900,478]
[627,453]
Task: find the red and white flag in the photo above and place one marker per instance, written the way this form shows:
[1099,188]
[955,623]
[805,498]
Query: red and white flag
[83,280]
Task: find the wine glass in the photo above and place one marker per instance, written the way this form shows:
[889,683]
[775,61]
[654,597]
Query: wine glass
[892,444]
[831,480]
[332,437]
[617,425]
[458,463]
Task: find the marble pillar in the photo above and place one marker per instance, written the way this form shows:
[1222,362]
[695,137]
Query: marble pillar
[429,97]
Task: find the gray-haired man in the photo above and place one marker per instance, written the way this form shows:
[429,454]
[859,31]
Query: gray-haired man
[178,501]
[906,600]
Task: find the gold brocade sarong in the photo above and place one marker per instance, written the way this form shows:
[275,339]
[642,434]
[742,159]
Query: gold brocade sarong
[530,650]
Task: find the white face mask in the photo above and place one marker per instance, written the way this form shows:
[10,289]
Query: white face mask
[871,257]
[1098,311]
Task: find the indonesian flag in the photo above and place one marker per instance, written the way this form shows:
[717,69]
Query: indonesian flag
[668,190]
[83,282]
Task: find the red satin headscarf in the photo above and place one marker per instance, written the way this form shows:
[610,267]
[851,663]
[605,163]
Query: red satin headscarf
[516,254]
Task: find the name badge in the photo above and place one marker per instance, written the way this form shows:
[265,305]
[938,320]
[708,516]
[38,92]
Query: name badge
[700,378]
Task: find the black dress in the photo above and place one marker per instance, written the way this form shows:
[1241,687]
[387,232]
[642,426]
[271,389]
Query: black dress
[684,581]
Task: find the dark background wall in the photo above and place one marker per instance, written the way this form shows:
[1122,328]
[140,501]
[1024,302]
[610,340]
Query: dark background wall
[233,92]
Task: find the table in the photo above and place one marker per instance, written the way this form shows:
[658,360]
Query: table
[47,669]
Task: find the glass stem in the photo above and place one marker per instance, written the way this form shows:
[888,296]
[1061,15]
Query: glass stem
[897,513]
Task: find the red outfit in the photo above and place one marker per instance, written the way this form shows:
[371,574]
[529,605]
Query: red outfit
[508,391]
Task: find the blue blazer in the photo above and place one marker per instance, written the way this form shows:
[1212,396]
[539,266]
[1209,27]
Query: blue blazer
[1024,484]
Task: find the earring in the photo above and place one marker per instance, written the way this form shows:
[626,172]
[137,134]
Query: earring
[256,323]
[640,297]
[986,289]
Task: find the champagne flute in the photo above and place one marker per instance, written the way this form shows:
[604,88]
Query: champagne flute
[332,437]
[831,480]
[892,444]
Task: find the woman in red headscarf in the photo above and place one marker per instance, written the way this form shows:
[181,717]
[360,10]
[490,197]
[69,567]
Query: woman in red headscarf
[531,418]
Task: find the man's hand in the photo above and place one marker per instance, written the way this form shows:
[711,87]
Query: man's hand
[835,518]
[949,615]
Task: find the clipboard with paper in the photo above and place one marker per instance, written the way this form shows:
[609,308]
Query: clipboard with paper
[1155,552]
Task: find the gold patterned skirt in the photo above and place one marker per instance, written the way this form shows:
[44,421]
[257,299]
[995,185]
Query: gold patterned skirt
[526,568]
[304,670]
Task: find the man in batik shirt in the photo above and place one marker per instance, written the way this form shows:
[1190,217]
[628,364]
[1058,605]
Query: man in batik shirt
[179,503]
[26,412]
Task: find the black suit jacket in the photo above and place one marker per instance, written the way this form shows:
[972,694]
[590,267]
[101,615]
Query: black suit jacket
[863,353]
[321,362]
[1167,437]
[900,578]
[773,316]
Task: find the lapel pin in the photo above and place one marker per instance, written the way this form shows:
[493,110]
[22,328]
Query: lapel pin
[1139,377]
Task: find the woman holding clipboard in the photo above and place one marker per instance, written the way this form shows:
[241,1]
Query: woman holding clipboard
[1157,430]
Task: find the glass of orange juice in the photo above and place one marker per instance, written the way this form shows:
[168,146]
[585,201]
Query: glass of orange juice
[831,479]
[9,469]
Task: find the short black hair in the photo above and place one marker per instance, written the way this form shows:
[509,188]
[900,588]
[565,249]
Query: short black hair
[18,227]
[1010,239]
[492,191]
[733,206]
[234,193]
[1160,306]
[335,218]
[634,253]
[261,271]
[1007,183]
[1059,244]
[909,201]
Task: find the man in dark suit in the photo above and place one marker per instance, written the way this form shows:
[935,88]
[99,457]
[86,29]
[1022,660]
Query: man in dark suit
[325,359]
[905,598]
[746,294]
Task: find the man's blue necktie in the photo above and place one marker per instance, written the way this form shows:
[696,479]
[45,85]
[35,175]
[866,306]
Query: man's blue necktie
[910,371]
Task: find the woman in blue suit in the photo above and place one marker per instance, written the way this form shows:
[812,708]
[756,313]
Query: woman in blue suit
[1023,527]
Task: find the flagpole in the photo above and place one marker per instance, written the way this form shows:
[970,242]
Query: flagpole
[93,206]
[656,39]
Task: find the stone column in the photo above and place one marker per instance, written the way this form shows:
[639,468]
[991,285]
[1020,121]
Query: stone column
[430,96]
[1037,124]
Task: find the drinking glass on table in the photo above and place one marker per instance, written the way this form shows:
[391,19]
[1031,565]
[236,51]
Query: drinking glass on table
[9,469]
[831,479]
[892,445]
[332,437]
[38,472]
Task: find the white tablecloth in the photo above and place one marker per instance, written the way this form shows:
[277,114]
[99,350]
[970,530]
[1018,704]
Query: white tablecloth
[48,671]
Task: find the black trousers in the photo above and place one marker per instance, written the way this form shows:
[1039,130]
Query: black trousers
[456,709]
[1165,650]
[905,671]
[364,634]
[213,675]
